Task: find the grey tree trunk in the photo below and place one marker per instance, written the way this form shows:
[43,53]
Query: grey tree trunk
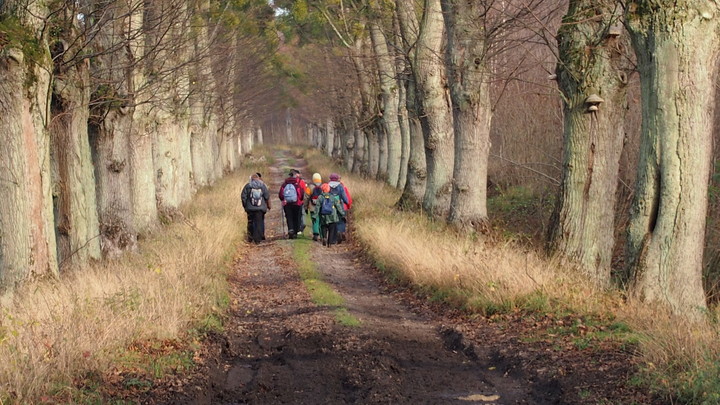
[431,81]
[392,142]
[27,241]
[111,124]
[402,67]
[382,151]
[373,152]
[203,124]
[15,212]
[414,190]
[329,136]
[75,207]
[676,45]
[582,227]
[360,156]
[404,123]
[472,113]
[142,169]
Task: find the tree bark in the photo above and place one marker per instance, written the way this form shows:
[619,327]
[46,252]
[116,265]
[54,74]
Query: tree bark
[591,62]
[414,189]
[437,121]
[27,241]
[329,136]
[76,221]
[472,113]
[142,170]
[391,144]
[677,46]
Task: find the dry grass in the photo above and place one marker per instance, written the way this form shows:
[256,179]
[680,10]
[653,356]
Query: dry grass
[429,254]
[682,359]
[53,331]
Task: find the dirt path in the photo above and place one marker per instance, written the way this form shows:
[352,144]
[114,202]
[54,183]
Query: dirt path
[279,347]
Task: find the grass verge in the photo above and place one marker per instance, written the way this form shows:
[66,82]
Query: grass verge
[63,341]
[321,292]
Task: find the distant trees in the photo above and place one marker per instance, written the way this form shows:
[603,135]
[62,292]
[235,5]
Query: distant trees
[113,116]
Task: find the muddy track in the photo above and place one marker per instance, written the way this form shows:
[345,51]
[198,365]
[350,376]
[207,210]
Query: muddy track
[280,348]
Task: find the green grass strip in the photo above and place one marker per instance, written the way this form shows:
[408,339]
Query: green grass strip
[321,292]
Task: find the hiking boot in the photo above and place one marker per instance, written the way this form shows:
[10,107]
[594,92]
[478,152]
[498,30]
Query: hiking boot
[315,238]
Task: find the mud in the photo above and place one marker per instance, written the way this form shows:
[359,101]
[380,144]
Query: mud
[280,348]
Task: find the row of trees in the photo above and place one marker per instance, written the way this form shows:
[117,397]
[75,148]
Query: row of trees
[420,81]
[114,113]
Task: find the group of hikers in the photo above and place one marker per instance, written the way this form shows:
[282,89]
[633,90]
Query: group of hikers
[327,204]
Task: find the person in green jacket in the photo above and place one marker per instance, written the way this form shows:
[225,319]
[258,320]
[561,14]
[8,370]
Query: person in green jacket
[330,211]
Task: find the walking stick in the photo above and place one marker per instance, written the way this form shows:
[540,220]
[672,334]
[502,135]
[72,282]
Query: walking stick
[282,218]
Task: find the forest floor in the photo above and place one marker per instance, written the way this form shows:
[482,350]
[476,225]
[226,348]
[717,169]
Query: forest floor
[278,346]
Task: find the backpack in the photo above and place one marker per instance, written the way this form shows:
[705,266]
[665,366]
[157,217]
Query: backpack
[327,206]
[290,194]
[256,197]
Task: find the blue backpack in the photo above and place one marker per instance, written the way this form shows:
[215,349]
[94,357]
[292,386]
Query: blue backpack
[290,194]
[327,206]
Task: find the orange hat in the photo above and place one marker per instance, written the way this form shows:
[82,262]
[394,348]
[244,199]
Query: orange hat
[325,188]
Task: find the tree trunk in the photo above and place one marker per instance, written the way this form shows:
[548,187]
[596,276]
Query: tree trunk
[382,142]
[472,114]
[431,80]
[76,221]
[27,241]
[676,45]
[402,67]
[582,228]
[329,136]
[142,170]
[404,131]
[414,190]
[360,155]
[373,152]
[390,159]
[111,124]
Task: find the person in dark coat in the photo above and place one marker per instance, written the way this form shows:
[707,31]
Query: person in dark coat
[338,188]
[292,203]
[256,202]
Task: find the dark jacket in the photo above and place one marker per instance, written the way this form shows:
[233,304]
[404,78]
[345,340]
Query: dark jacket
[245,196]
[299,187]
[339,189]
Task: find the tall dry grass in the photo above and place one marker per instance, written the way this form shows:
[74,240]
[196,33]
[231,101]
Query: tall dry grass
[429,254]
[54,331]
[681,358]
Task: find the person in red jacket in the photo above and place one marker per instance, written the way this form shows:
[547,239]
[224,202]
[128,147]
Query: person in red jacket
[291,196]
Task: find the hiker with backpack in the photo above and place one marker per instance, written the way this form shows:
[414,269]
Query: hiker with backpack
[330,212]
[312,191]
[292,193]
[338,188]
[303,187]
[256,202]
